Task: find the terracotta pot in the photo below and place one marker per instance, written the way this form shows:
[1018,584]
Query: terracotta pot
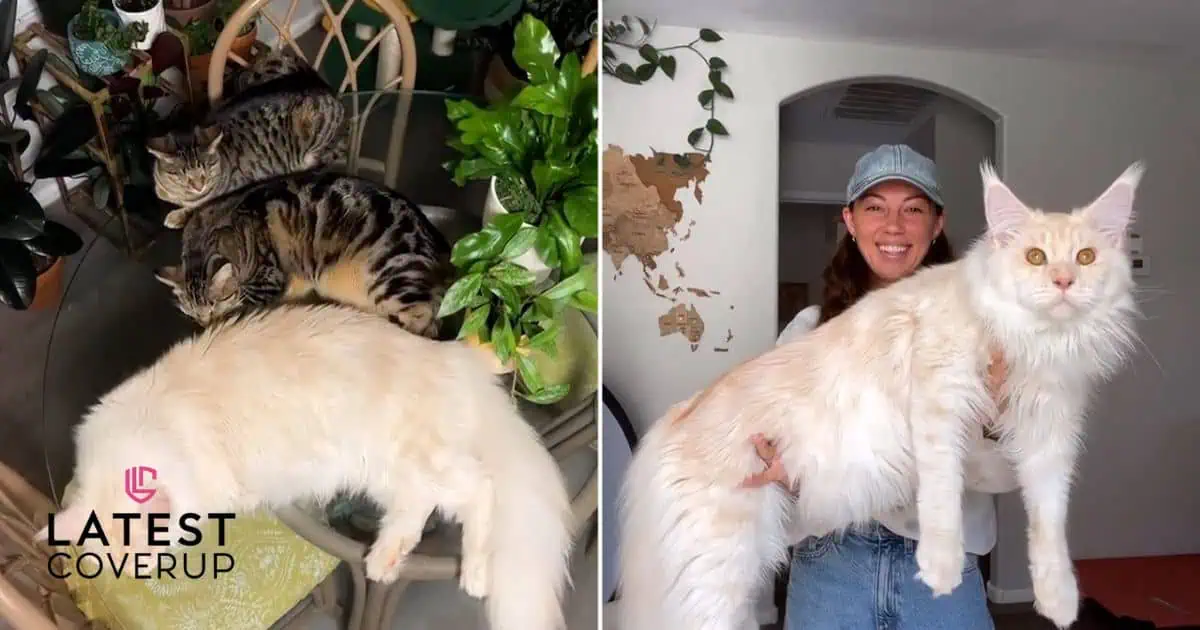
[184,11]
[49,287]
[198,64]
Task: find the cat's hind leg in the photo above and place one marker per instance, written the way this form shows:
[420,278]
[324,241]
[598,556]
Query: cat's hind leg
[693,554]
[470,499]
[400,530]
[940,435]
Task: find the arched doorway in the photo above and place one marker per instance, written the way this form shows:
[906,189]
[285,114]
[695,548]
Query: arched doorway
[822,133]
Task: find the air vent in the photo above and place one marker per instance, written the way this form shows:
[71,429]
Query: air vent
[883,103]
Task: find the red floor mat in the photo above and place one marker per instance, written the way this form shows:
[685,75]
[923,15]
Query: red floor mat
[1164,589]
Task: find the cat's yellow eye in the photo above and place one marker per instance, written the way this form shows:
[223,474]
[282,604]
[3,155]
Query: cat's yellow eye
[1035,256]
[1086,256]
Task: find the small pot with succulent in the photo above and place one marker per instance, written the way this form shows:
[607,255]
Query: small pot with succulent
[99,43]
[519,275]
[148,12]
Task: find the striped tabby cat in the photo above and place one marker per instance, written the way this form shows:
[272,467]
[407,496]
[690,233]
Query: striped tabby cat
[342,237]
[283,118]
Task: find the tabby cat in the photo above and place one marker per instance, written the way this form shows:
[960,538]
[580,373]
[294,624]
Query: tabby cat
[341,237]
[282,118]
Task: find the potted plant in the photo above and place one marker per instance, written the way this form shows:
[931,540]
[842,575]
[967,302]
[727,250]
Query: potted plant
[148,12]
[202,37]
[518,275]
[572,23]
[99,43]
[32,247]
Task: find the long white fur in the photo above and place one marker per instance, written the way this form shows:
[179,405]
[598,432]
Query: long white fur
[875,410]
[300,402]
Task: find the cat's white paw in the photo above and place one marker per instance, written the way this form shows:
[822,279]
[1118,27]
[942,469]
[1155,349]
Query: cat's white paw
[1056,595]
[383,563]
[473,577]
[941,565]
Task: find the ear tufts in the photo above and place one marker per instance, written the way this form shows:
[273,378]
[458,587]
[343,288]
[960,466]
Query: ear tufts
[1112,212]
[1005,213]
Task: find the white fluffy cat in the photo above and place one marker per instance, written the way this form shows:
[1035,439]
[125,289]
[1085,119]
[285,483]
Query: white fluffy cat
[300,402]
[875,410]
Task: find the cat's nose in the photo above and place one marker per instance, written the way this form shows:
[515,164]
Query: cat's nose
[1063,280]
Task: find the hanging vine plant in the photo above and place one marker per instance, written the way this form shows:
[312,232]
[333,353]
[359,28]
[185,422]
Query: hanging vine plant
[633,34]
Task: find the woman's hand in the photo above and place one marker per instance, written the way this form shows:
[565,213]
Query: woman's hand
[774,473]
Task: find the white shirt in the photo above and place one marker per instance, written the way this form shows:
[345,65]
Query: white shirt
[979,509]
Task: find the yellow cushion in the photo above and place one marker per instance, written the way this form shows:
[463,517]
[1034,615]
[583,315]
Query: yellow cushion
[274,568]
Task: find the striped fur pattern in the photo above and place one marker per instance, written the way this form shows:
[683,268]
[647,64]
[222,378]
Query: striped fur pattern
[318,234]
[284,118]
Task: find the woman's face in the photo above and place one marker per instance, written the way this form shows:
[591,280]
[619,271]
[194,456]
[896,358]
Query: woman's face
[893,224]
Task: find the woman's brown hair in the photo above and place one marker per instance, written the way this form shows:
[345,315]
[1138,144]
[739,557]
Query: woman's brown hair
[848,277]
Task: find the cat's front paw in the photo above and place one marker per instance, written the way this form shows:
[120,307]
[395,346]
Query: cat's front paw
[383,563]
[940,564]
[1056,594]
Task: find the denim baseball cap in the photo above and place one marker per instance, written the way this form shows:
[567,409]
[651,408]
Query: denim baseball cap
[891,162]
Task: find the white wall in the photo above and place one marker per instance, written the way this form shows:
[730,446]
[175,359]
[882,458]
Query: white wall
[1067,130]
[816,171]
[962,138]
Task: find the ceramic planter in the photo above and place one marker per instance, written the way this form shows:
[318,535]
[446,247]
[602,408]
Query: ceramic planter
[154,18]
[530,259]
[96,58]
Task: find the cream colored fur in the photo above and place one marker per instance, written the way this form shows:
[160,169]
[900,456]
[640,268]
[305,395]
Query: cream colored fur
[877,409]
[300,402]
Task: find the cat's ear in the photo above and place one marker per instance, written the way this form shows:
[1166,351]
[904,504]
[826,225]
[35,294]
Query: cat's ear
[162,147]
[1112,212]
[209,137]
[171,276]
[224,282]
[176,218]
[1005,213]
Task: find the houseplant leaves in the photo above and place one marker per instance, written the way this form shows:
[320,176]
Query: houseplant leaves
[18,278]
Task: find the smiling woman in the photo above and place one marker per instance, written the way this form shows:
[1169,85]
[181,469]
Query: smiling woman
[894,217]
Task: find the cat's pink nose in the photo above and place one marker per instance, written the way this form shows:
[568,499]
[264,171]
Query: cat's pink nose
[1064,280]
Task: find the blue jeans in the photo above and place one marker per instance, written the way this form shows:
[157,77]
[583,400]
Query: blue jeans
[866,580]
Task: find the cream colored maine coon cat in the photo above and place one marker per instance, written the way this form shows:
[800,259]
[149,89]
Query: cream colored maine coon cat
[873,411]
[299,402]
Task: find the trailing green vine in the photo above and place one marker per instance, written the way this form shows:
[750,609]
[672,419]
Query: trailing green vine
[624,33]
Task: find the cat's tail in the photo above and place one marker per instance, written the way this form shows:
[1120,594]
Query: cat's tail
[695,547]
[532,528]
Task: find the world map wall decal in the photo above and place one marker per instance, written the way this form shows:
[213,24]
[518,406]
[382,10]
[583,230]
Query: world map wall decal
[643,216]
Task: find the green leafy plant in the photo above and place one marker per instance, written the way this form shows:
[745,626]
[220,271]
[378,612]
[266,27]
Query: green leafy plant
[543,150]
[634,34]
[30,243]
[92,26]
